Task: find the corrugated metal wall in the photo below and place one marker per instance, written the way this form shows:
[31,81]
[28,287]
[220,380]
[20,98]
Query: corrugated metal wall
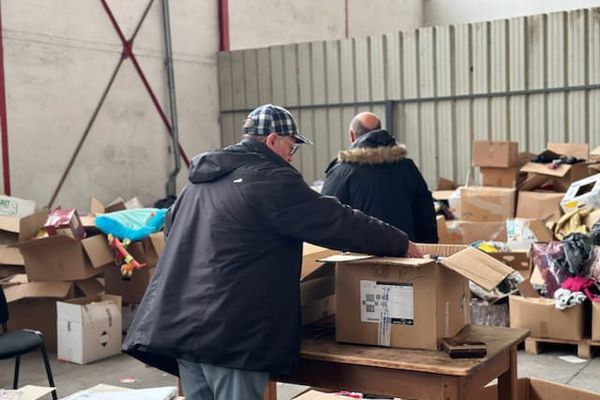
[531,79]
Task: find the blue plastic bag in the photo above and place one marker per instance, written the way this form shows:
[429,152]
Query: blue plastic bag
[132,224]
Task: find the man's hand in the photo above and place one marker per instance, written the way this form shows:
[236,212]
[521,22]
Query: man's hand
[413,251]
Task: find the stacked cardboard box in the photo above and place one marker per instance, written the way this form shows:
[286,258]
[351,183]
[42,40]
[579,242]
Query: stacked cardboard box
[498,162]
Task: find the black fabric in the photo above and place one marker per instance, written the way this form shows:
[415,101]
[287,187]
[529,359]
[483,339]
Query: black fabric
[16,343]
[578,252]
[595,233]
[226,288]
[3,308]
[393,191]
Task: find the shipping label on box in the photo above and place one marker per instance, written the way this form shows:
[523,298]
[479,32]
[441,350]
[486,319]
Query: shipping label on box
[393,299]
[583,193]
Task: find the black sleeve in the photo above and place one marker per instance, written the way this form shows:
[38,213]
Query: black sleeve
[423,209]
[336,184]
[295,210]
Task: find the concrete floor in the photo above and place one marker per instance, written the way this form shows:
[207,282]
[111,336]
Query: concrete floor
[70,378]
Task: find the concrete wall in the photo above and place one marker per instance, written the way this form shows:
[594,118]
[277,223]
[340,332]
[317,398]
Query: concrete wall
[59,56]
[261,23]
[444,12]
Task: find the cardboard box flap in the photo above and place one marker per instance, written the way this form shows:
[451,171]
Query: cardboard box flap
[370,260]
[312,259]
[25,227]
[10,256]
[580,151]
[97,250]
[158,242]
[58,240]
[534,182]
[440,250]
[346,257]
[542,169]
[478,267]
[97,207]
[90,287]
[595,154]
[58,290]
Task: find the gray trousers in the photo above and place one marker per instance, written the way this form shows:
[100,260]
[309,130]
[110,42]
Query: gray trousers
[208,382]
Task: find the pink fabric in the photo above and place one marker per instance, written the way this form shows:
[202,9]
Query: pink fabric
[581,284]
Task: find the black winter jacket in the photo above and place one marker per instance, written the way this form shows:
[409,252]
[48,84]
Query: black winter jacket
[226,288]
[375,177]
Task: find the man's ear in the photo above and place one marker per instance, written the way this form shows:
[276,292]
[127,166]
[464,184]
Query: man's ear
[270,139]
[352,136]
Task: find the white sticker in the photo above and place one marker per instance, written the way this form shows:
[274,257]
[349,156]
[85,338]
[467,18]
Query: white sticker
[400,303]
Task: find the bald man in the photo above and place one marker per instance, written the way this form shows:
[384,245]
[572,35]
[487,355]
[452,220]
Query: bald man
[375,176]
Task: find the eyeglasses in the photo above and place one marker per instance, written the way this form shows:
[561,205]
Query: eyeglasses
[294,147]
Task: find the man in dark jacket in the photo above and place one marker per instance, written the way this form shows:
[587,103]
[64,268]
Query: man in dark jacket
[374,176]
[222,309]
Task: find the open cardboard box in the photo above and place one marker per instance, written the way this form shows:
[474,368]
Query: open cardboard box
[564,174]
[60,258]
[427,299]
[317,284]
[15,229]
[32,305]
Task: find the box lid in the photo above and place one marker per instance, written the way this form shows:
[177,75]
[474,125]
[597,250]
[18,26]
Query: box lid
[32,290]
[542,169]
[470,263]
[97,250]
[313,260]
[577,150]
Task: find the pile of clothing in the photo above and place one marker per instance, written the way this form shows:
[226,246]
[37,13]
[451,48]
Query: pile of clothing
[570,268]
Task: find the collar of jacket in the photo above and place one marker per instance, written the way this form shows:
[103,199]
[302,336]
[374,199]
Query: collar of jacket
[254,146]
[376,147]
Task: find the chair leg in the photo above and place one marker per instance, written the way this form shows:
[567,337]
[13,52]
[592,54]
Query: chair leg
[49,371]
[16,379]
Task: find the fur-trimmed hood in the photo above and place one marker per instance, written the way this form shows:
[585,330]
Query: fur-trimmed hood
[376,147]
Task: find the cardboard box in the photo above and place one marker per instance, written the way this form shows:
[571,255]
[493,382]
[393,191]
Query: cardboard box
[65,222]
[132,291]
[89,328]
[15,207]
[317,284]
[427,300]
[96,206]
[582,193]
[464,232]
[539,205]
[541,317]
[499,177]
[595,321]
[517,260]
[18,229]
[61,258]
[497,154]
[538,389]
[32,305]
[486,204]
[564,174]
[522,233]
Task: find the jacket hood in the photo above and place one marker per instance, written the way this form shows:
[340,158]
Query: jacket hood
[213,165]
[376,147]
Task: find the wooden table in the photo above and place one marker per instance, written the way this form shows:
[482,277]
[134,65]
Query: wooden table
[413,374]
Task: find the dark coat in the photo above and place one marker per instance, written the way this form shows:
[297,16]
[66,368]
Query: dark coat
[226,288]
[374,176]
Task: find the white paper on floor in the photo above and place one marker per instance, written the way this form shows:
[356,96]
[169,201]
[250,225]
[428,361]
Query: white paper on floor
[163,393]
[573,359]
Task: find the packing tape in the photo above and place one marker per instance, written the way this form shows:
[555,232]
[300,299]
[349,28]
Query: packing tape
[383,327]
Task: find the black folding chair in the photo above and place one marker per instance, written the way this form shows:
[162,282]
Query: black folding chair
[14,344]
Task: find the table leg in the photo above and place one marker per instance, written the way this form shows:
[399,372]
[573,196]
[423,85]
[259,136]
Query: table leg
[507,382]
[271,392]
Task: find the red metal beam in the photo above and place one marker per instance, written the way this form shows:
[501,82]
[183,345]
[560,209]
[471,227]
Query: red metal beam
[223,25]
[3,116]
[128,53]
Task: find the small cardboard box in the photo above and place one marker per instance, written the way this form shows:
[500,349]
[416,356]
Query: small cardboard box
[538,389]
[564,174]
[486,204]
[497,154]
[89,328]
[595,321]
[32,305]
[61,258]
[132,291]
[464,232]
[582,193]
[541,317]
[499,177]
[15,207]
[539,205]
[426,300]
[65,222]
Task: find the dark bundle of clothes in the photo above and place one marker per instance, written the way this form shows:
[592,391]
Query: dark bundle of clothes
[570,268]
[554,159]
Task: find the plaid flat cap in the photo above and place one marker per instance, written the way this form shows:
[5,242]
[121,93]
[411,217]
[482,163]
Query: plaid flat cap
[271,118]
